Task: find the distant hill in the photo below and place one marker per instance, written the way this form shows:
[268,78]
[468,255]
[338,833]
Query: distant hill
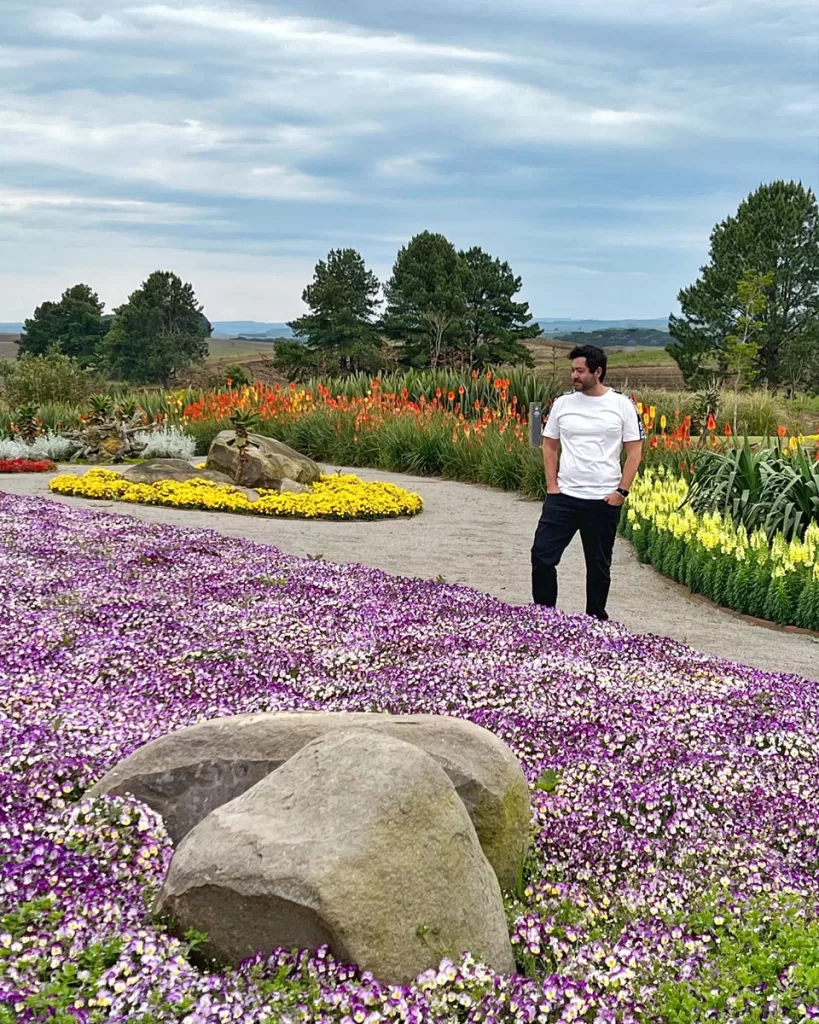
[10,328]
[625,337]
[253,329]
[564,325]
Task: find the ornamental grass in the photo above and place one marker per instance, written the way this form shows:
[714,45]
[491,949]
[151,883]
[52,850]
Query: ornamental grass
[674,874]
[338,497]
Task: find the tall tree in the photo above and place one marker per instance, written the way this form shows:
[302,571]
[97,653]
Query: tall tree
[775,231]
[74,326]
[493,323]
[425,297]
[340,327]
[742,348]
[159,331]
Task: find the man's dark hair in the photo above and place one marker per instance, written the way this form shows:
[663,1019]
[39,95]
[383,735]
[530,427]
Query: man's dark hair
[595,358]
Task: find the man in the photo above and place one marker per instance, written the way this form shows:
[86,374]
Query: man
[590,425]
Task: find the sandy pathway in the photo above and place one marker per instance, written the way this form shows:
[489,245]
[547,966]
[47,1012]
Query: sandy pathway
[481,538]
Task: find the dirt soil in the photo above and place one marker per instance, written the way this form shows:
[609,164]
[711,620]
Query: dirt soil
[480,538]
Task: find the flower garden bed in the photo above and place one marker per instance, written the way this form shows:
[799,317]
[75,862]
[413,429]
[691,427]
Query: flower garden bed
[675,817]
[339,497]
[776,580]
[26,465]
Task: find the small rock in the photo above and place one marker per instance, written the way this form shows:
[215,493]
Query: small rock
[293,487]
[359,842]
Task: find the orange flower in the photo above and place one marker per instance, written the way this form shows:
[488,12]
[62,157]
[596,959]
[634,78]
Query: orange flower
[437,392]
[782,431]
[728,431]
[711,423]
[474,375]
[461,389]
[451,396]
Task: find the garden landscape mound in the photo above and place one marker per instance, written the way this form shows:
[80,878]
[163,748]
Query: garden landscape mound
[674,865]
[339,497]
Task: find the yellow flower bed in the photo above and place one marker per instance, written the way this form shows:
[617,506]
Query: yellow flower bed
[332,497]
[658,498]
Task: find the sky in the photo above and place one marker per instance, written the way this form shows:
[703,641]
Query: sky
[591,143]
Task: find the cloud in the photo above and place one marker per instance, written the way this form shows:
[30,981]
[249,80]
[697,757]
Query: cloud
[589,142]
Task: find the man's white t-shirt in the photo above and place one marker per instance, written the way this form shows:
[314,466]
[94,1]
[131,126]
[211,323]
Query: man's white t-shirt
[592,432]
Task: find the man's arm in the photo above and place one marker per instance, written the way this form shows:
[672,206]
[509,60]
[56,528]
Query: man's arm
[550,446]
[634,455]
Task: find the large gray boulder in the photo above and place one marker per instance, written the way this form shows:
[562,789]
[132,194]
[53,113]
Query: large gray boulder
[154,471]
[188,773]
[382,865]
[268,461]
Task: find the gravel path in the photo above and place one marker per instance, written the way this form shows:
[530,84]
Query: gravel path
[480,537]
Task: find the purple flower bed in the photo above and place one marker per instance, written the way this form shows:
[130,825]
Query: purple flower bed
[675,872]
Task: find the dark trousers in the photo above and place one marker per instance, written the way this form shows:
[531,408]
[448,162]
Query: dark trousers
[560,520]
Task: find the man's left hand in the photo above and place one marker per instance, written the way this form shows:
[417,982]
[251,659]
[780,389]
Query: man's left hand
[614,499]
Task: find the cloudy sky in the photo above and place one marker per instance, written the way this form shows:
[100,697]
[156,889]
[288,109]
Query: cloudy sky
[592,143]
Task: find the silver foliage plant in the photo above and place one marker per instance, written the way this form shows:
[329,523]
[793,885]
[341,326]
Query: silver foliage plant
[167,442]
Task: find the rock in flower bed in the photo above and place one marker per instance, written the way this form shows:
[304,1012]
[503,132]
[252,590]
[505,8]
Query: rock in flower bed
[675,825]
[332,497]
[26,466]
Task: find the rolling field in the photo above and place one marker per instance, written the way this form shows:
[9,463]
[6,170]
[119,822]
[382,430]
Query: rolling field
[634,368]
[8,346]
[220,349]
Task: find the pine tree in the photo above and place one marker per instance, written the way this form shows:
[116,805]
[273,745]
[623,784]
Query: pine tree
[340,327]
[775,231]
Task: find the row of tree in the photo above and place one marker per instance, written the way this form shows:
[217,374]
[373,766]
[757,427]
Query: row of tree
[160,331]
[441,308]
[754,310]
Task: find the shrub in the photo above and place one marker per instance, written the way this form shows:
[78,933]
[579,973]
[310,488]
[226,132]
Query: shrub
[52,377]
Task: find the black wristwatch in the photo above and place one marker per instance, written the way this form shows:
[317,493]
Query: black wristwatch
[622,491]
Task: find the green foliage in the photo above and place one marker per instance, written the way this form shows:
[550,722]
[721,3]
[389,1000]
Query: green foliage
[425,297]
[807,608]
[767,488]
[742,348]
[774,236]
[493,323]
[158,332]
[340,327]
[764,966]
[237,375]
[52,377]
[73,326]
[27,426]
[296,361]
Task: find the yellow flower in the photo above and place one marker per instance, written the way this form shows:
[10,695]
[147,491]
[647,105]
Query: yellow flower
[334,497]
